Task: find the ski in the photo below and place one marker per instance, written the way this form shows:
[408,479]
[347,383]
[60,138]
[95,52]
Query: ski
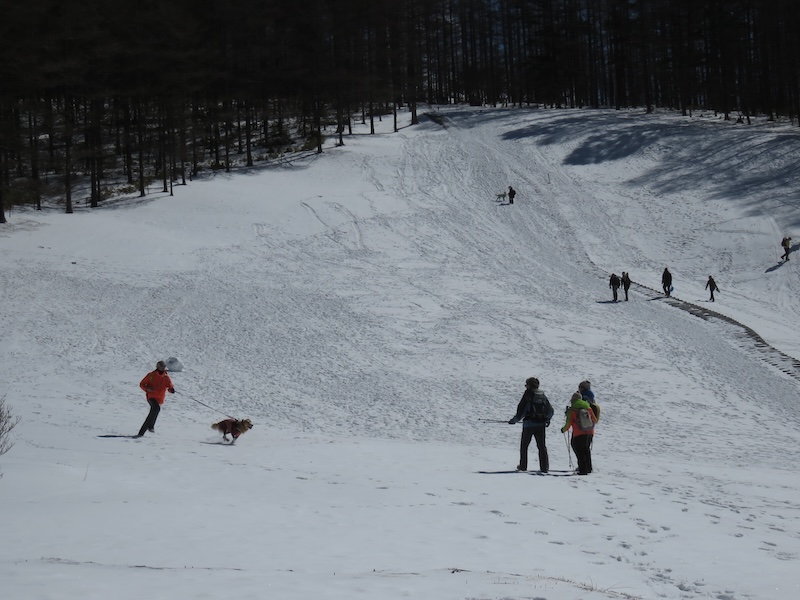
[553,473]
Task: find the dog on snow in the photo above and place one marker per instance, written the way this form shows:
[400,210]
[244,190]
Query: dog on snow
[501,197]
[234,427]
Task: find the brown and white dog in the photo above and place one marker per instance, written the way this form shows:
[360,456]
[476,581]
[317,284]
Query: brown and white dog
[233,426]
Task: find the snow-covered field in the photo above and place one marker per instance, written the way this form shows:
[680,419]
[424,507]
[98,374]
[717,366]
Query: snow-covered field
[366,308]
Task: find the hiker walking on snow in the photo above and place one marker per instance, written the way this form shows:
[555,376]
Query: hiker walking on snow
[666,282]
[626,283]
[155,385]
[711,286]
[535,412]
[511,193]
[786,244]
[581,420]
[614,284]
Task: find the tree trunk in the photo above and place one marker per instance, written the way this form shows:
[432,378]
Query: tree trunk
[140,131]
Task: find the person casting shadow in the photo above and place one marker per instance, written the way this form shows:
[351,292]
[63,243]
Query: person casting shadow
[155,385]
[535,412]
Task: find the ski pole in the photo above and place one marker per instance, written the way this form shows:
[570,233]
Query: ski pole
[207,406]
[569,453]
[491,421]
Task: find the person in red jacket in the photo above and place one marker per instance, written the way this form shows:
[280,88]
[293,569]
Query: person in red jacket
[582,433]
[155,384]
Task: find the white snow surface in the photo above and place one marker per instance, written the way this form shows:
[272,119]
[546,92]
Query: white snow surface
[365,308]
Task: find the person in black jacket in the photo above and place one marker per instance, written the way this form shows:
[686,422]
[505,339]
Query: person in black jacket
[626,283]
[511,194]
[613,283]
[535,412]
[711,286]
[666,282]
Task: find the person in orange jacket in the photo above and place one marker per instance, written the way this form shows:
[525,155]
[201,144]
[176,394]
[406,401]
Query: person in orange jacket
[581,436]
[155,384]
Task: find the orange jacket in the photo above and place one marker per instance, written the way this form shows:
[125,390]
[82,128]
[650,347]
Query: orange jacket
[572,419]
[155,385]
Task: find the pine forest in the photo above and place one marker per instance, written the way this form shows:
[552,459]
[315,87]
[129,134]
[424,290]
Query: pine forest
[99,98]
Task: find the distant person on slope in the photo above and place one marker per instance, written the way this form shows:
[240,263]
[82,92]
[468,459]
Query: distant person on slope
[666,282]
[511,194]
[581,420]
[786,244]
[614,284]
[626,283]
[155,385]
[535,412]
[711,286]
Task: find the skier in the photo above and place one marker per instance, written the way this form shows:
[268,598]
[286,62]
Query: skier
[613,283]
[535,412]
[666,282]
[626,283]
[582,434]
[155,385]
[711,286]
[786,244]
[511,193]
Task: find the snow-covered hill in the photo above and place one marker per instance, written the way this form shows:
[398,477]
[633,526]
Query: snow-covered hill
[366,308]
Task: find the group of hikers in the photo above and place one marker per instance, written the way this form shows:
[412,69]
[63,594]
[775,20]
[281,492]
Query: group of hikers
[624,282]
[535,412]
[615,282]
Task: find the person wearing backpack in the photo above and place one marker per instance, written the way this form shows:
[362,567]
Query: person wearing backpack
[581,419]
[585,390]
[535,412]
[786,244]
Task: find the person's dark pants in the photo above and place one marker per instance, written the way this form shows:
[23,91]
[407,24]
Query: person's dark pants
[150,421]
[582,445]
[613,289]
[712,296]
[626,294]
[527,434]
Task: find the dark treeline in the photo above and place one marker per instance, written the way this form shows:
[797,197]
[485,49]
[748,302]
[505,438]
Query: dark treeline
[94,91]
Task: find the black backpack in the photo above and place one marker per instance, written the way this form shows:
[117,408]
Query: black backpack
[539,408]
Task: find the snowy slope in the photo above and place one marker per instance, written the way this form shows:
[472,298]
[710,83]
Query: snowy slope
[366,307]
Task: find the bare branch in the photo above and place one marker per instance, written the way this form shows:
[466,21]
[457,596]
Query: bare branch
[7,423]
